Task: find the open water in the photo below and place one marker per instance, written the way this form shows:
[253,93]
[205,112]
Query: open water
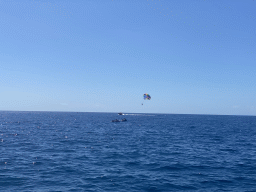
[57,151]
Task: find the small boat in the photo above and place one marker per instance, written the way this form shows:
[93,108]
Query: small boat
[116,120]
[120,114]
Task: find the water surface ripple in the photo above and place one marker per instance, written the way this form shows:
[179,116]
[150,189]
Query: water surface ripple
[57,151]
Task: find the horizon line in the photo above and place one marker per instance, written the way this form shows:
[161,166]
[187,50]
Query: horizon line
[123,112]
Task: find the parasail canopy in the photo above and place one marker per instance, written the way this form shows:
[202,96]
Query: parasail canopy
[146,96]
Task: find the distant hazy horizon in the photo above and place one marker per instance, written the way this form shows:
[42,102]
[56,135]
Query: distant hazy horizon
[128,113]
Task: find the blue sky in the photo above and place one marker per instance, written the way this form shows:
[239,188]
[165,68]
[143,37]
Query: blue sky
[192,57]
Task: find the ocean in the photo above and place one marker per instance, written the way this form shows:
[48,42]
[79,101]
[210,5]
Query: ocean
[68,151]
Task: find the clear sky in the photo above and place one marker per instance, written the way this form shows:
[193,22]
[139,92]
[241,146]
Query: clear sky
[191,56]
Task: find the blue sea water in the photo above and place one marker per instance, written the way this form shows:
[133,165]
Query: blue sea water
[61,151]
